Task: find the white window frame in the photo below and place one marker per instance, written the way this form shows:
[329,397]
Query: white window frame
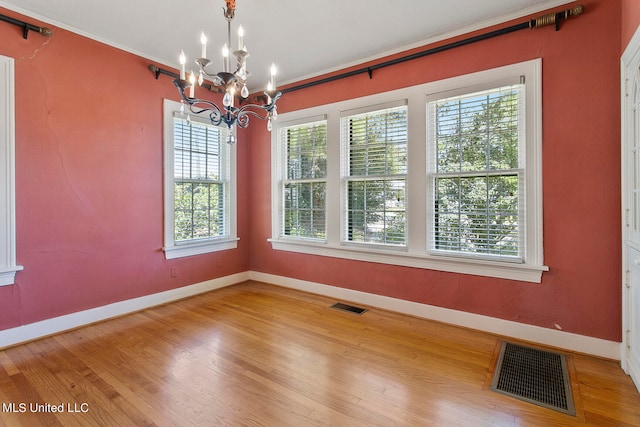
[8,267]
[416,253]
[520,169]
[347,178]
[175,249]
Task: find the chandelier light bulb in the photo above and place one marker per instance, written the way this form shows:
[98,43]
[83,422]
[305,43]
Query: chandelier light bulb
[273,76]
[225,58]
[192,81]
[183,60]
[240,38]
[244,92]
[203,41]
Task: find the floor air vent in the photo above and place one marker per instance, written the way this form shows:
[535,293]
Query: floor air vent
[349,308]
[535,376]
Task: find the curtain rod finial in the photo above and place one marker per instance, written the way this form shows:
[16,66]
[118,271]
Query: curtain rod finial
[578,10]
[555,18]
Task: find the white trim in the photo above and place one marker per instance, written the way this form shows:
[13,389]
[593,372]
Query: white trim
[529,158]
[559,339]
[174,249]
[190,249]
[550,337]
[32,331]
[629,62]
[624,206]
[632,369]
[8,267]
[479,267]
[280,158]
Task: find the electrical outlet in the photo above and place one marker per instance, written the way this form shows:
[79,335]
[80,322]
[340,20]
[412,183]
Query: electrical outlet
[174,272]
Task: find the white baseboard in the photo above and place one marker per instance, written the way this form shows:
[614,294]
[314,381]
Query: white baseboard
[32,331]
[544,336]
[633,370]
[549,337]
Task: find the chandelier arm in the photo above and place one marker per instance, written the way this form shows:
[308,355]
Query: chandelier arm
[242,114]
[233,84]
[251,109]
[196,108]
[243,118]
[253,113]
[274,96]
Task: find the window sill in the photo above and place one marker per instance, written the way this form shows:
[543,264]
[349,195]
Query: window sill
[199,248]
[479,267]
[8,275]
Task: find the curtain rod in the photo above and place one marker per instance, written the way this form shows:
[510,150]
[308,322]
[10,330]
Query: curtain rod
[26,27]
[540,21]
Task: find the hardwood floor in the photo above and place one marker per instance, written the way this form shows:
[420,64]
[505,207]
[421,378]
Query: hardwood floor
[260,355]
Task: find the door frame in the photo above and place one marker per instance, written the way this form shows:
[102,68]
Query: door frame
[629,64]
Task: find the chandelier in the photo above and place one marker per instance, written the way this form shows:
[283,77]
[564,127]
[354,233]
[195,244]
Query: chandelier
[232,81]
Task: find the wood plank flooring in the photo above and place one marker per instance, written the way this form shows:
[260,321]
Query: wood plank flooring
[260,355]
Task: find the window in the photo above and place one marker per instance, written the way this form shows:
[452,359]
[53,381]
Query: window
[8,267]
[444,176]
[304,183]
[477,173]
[375,166]
[199,194]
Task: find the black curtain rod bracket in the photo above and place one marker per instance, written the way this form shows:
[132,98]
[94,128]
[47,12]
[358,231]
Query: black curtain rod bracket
[157,71]
[26,27]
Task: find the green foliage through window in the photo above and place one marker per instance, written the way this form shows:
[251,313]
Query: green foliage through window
[305,183]
[377,166]
[200,183]
[477,180]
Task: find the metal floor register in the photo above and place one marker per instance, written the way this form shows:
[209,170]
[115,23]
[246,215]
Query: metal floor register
[535,376]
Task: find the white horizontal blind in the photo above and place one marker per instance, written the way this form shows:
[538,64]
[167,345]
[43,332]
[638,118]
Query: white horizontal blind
[375,168]
[201,180]
[304,184]
[477,173]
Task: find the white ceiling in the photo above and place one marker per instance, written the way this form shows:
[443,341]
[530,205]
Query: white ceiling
[303,37]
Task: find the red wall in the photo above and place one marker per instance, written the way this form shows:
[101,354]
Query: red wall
[89,180]
[581,172]
[630,12]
